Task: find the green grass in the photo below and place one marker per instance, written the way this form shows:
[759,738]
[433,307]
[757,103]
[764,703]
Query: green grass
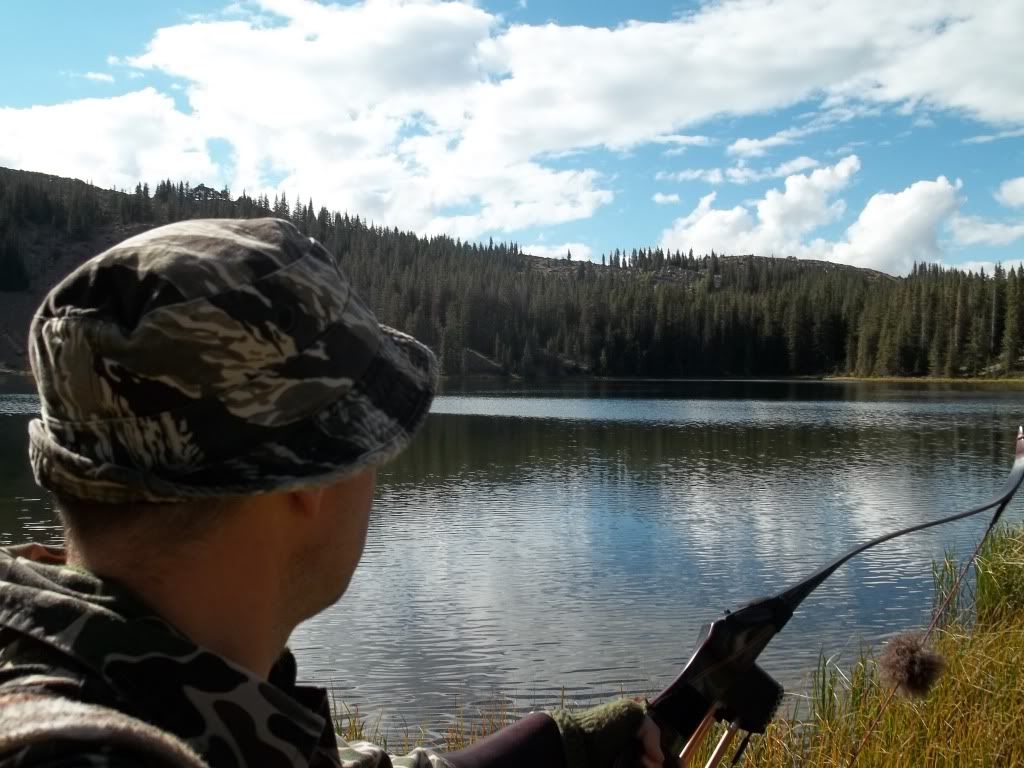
[973,717]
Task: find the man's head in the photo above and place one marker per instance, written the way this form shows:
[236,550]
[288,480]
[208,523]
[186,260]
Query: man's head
[216,358]
[200,366]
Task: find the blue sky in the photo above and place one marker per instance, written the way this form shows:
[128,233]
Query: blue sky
[867,133]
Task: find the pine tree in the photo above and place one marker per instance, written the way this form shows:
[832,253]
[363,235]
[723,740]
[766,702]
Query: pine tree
[1010,350]
[958,331]
[997,311]
[282,210]
[13,274]
[528,362]
[652,311]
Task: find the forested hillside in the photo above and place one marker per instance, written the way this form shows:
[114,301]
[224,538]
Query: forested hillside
[490,307]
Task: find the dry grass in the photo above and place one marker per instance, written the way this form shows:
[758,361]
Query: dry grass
[973,717]
[351,725]
[466,729]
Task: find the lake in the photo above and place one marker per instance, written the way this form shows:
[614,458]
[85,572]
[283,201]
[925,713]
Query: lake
[568,541]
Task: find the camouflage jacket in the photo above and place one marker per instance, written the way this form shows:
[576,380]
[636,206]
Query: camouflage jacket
[71,635]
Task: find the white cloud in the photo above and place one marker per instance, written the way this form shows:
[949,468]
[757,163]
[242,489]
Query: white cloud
[99,77]
[975,36]
[783,218]
[740,173]
[409,111]
[977,266]
[681,142]
[512,198]
[662,199]
[1011,192]
[837,112]
[988,138]
[891,232]
[806,201]
[744,174]
[684,140]
[114,142]
[613,78]
[846,148]
[369,118]
[895,230]
[796,165]
[974,230]
[709,175]
[707,228]
[760,147]
[580,251]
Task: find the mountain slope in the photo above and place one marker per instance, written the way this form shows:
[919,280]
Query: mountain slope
[643,312]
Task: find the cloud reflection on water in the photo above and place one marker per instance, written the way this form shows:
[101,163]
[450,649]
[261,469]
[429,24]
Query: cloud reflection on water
[581,542]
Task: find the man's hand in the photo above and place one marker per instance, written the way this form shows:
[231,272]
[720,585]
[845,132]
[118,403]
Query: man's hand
[649,737]
[645,751]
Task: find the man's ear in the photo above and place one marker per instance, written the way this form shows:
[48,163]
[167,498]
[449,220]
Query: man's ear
[306,502]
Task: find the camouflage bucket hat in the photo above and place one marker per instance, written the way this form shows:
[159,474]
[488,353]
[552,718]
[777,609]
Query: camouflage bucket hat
[213,358]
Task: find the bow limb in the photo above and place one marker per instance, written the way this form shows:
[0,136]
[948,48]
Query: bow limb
[722,679]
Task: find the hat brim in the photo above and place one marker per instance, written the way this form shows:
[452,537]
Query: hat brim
[369,424]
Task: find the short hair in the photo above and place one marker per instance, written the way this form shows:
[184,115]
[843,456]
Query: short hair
[88,522]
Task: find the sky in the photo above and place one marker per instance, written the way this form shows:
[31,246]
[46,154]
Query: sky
[873,133]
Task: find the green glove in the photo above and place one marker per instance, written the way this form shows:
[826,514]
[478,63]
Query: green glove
[596,737]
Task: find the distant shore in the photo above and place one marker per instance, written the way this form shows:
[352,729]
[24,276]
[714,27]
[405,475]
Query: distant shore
[929,379]
[470,379]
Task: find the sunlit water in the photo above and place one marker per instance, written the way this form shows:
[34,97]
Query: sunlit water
[533,545]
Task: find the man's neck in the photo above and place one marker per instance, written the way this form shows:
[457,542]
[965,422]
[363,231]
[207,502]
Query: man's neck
[224,594]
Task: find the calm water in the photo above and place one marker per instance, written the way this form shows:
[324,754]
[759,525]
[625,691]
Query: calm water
[574,539]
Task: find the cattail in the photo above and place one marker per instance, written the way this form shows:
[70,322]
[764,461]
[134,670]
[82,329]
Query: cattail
[908,665]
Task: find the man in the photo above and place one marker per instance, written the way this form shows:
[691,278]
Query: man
[215,401]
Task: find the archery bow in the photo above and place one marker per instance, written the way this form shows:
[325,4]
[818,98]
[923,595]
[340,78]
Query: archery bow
[722,680]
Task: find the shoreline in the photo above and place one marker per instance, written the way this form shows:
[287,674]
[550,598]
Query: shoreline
[472,379]
[928,379]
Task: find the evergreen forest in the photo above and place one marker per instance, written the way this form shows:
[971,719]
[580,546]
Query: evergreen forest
[488,307]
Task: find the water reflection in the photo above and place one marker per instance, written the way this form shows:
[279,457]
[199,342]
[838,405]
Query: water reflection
[574,540]
[580,544]
[25,510]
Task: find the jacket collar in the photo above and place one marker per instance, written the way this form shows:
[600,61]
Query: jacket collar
[223,711]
